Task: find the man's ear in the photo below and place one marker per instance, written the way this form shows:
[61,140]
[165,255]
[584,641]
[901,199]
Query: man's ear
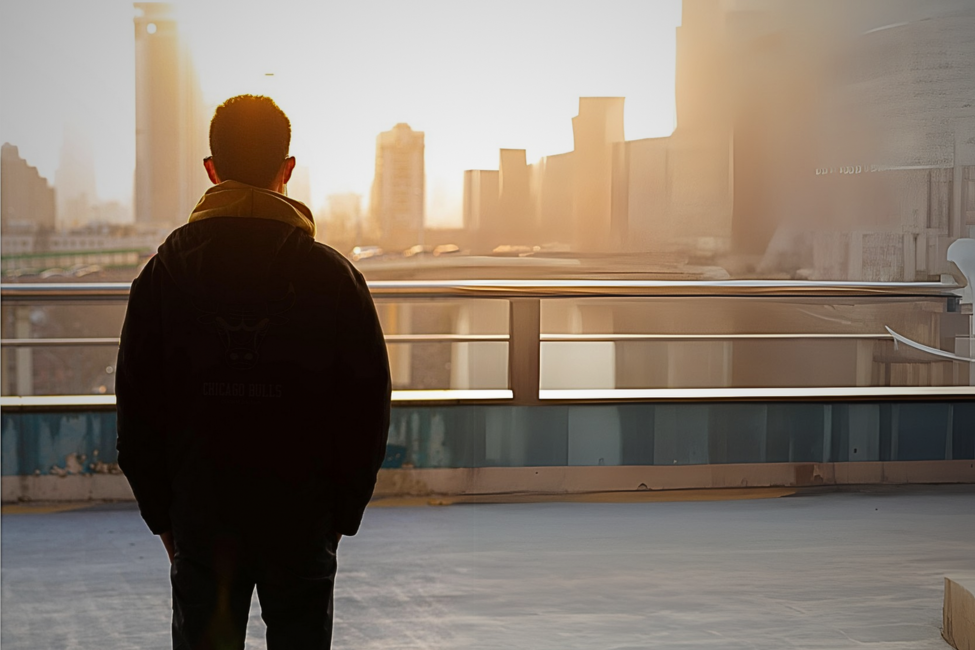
[287,167]
[211,170]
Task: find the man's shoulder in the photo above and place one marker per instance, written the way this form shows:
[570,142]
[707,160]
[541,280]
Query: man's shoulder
[327,265]
[149,273]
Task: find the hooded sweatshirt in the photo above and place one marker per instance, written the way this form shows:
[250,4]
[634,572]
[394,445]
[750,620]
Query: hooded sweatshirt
[252,375]
[236,199]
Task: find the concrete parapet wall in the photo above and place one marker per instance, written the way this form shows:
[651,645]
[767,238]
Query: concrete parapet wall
[555,480]
[959,612]
[810,435]
[76,487]
[570,480]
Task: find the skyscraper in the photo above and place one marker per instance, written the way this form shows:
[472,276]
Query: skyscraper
[854,131]
[26,199]
[565,198]
[75,179]
[831,139]
[515,219]
[396,205]
[480,198]
[597,127]
[171,128]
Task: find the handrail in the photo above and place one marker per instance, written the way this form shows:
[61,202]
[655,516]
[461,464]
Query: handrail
[525,338]
[60,342]
[398,396]
[617,395]
[390,338]
[769,394]
[501,289]
[504,338]
[790,336]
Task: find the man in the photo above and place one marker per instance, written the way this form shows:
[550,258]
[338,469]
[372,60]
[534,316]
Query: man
[253,397]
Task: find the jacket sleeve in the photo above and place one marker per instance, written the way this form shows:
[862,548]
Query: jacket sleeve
[363,398]
[139,391]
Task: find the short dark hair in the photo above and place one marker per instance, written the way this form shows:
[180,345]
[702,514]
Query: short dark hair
[249,139]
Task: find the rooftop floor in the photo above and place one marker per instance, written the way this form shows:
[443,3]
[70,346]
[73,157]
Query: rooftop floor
[831,570]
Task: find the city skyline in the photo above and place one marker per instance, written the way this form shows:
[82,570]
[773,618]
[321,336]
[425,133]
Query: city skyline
[490,98]
[762,119]
[760,111]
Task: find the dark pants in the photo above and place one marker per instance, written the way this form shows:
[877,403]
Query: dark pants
[213,583]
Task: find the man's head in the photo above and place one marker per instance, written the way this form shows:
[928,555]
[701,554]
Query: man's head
[249,140]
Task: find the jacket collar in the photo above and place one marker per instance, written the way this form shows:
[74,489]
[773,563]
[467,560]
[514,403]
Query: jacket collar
[236,199]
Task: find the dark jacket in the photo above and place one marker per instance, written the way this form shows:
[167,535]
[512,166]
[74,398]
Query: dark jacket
[253,383]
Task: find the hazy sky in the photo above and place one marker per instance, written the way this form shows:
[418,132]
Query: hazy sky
[475,77]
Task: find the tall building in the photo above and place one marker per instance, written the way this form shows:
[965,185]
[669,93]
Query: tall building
[552,178]
[397,201]
[514,222]
[75,179]
[675,193]
[480,198]
[27,201]
[854,134]
[566,198]
[106,213]
[498,206]
[597,127]
[171,125]
[827,138]
[343,227]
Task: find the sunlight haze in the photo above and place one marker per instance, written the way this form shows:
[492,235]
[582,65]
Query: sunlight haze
[474,77]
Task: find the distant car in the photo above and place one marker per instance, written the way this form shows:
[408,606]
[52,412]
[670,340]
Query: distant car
[87,270]
[419,249]
[555,247]
[52,273]
[365,252]
[515,251]
[19,273]
[446,249]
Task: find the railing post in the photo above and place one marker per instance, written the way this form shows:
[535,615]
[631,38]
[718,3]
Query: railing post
[524,347]
[24,356]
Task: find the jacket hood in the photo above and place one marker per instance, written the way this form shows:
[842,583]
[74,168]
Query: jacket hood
[236,199]
[240,244]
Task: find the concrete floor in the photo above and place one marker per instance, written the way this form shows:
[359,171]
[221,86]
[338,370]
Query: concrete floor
[835,570]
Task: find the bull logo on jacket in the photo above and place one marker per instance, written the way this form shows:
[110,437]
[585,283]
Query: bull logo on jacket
[243,329]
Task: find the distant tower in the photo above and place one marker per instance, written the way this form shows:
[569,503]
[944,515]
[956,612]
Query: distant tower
[75,179]
[170,125]
[514,207]
[595,130]
[396,206]
[480,199]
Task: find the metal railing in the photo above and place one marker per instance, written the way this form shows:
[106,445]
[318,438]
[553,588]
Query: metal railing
[33,293]
[524,337]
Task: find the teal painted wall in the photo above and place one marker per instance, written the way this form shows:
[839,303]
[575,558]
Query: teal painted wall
[578,434]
